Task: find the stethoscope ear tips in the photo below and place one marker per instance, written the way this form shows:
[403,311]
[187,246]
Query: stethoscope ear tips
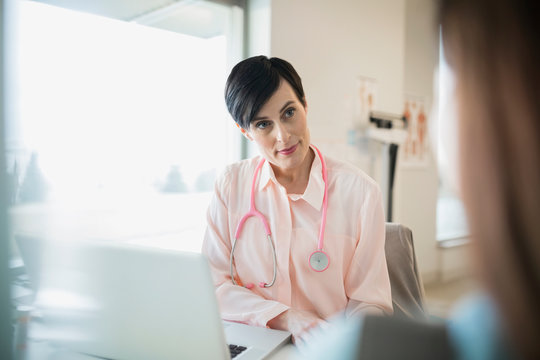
[262,284]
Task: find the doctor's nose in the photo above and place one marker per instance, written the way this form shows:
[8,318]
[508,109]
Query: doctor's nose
[282,134]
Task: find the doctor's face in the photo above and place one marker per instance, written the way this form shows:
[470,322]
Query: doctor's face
[280,130]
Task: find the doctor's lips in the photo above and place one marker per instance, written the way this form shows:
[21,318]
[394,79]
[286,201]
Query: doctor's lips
[288,151]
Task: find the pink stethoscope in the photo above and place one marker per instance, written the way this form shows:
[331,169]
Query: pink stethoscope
[318,260]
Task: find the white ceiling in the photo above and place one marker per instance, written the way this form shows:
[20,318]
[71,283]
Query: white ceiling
[117,9]
[193,17]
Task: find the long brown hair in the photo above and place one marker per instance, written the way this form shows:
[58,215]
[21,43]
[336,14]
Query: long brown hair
[493,48]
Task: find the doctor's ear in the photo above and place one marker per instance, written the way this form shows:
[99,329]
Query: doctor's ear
[305,104]
[244,132]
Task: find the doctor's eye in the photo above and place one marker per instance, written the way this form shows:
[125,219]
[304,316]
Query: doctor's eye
[290,112]
[262,124]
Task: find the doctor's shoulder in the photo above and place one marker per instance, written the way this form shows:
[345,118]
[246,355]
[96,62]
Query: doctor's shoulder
[236,175]
[350,178]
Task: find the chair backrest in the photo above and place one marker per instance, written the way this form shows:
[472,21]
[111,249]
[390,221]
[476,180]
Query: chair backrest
[405,280]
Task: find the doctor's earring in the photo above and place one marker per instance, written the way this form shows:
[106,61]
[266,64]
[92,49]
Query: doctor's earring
[244,132]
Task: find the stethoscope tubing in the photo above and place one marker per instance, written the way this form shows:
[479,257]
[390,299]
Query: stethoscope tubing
[254,212]
[262,283]
[325,201]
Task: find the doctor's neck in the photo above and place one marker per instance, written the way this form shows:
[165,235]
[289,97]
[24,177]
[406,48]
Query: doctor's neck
[295,180]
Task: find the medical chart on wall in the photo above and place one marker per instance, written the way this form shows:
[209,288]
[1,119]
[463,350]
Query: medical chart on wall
[415,149]
[365,100]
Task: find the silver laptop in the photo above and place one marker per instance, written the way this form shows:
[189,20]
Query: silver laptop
[120,301]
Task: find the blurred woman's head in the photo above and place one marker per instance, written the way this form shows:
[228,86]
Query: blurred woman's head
[493,48]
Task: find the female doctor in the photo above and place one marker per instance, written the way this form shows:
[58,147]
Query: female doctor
[293,237]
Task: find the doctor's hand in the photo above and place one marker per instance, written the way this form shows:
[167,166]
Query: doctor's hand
[299,323]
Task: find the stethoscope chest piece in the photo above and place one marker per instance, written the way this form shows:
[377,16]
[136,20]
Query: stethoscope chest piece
[318,260]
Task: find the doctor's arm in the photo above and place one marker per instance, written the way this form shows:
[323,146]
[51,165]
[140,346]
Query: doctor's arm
[298,322]
[236,303]
[367,282]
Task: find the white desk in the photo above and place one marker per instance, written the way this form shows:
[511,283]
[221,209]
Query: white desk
[286,352]
[41,350]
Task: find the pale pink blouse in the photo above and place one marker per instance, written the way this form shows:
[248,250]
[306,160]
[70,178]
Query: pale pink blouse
[354,242]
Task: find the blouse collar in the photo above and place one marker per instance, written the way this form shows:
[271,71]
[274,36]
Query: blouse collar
[314,192]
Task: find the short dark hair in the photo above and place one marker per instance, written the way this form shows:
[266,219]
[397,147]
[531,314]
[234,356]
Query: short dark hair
[253,81]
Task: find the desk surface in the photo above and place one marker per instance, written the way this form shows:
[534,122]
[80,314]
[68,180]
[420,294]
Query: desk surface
[41,350]
[286,352]
[37,347]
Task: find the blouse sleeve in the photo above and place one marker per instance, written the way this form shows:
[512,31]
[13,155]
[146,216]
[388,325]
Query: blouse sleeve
[236,303]
[367,281]
[340,341]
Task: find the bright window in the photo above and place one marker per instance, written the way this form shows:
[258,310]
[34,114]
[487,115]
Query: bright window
[117,115]
[451,218]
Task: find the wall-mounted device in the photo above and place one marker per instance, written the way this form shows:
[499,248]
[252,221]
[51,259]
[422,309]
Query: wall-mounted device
[384,120]
[390,131]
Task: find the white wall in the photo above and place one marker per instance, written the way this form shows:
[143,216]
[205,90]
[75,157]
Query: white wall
[416,188]
[330,43]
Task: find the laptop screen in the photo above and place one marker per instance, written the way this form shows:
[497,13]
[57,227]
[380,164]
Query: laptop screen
[122,301]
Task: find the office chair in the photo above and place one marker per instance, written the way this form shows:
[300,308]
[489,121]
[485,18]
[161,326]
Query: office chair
[405,280]
[409,332]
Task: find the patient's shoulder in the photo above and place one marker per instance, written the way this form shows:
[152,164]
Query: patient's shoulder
[381,338]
